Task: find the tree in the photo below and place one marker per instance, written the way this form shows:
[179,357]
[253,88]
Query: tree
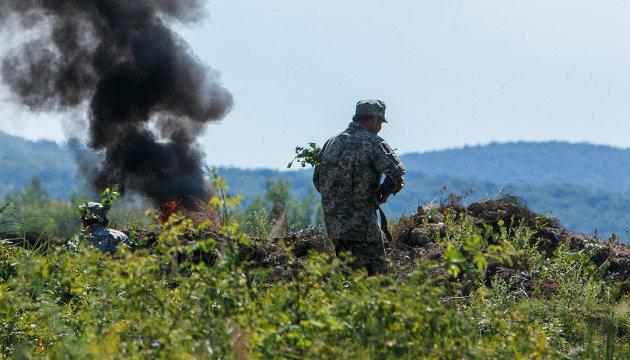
[303,212]
[278,195]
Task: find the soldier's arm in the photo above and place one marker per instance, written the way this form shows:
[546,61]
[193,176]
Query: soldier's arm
[316,170]
[316,177]
[386,161]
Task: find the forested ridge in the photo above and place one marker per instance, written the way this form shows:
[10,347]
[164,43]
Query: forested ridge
[584,185]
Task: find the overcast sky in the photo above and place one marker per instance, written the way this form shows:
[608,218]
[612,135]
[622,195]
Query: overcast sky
[451,72]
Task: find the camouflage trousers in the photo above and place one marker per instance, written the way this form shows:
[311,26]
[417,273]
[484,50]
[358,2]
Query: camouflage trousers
[366,246]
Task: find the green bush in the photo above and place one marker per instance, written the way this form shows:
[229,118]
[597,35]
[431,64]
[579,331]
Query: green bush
[159,303]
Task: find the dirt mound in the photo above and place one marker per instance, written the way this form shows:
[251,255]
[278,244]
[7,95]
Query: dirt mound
[417,238]
[507,211]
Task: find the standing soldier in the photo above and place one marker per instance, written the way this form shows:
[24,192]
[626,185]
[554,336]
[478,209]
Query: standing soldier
[348,177]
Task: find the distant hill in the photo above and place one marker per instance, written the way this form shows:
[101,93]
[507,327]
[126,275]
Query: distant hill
[586,186]
[579,208]
[594,166]
[21,160]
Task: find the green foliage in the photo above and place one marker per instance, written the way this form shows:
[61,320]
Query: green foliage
[109,197]
[161,303]
[277,195]
[223,203]
[306,155]
[277,203]
[31,217]
[143,305]
[304,212]
[469,250]
[158,304]
[255,219]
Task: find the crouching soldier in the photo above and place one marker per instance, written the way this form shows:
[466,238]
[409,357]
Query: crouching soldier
[94,222]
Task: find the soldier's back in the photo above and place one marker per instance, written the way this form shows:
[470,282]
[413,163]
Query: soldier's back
[107,240]
[346,173]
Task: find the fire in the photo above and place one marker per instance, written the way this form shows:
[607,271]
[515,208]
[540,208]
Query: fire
[167,209]
[196,211]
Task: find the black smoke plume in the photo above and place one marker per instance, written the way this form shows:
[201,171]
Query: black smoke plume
[148,97]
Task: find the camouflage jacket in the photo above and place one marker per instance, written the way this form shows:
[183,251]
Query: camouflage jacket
[106,240]
[348,177]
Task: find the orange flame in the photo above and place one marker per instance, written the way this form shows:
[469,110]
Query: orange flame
[167,210]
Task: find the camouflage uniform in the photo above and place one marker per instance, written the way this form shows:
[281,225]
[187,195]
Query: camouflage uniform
[106,240]
[348,177]
[94,218]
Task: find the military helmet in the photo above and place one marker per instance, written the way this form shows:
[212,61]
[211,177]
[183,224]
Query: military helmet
[371,107]
[94,212]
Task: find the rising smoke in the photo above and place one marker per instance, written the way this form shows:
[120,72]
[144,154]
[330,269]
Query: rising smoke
[148,97]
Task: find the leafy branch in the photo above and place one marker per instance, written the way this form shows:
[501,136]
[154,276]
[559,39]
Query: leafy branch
[109,196]
[308,155]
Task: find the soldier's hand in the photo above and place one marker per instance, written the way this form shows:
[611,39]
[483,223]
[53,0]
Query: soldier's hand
[398,184]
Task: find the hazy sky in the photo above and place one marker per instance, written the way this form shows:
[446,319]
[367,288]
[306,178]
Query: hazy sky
[451,72]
